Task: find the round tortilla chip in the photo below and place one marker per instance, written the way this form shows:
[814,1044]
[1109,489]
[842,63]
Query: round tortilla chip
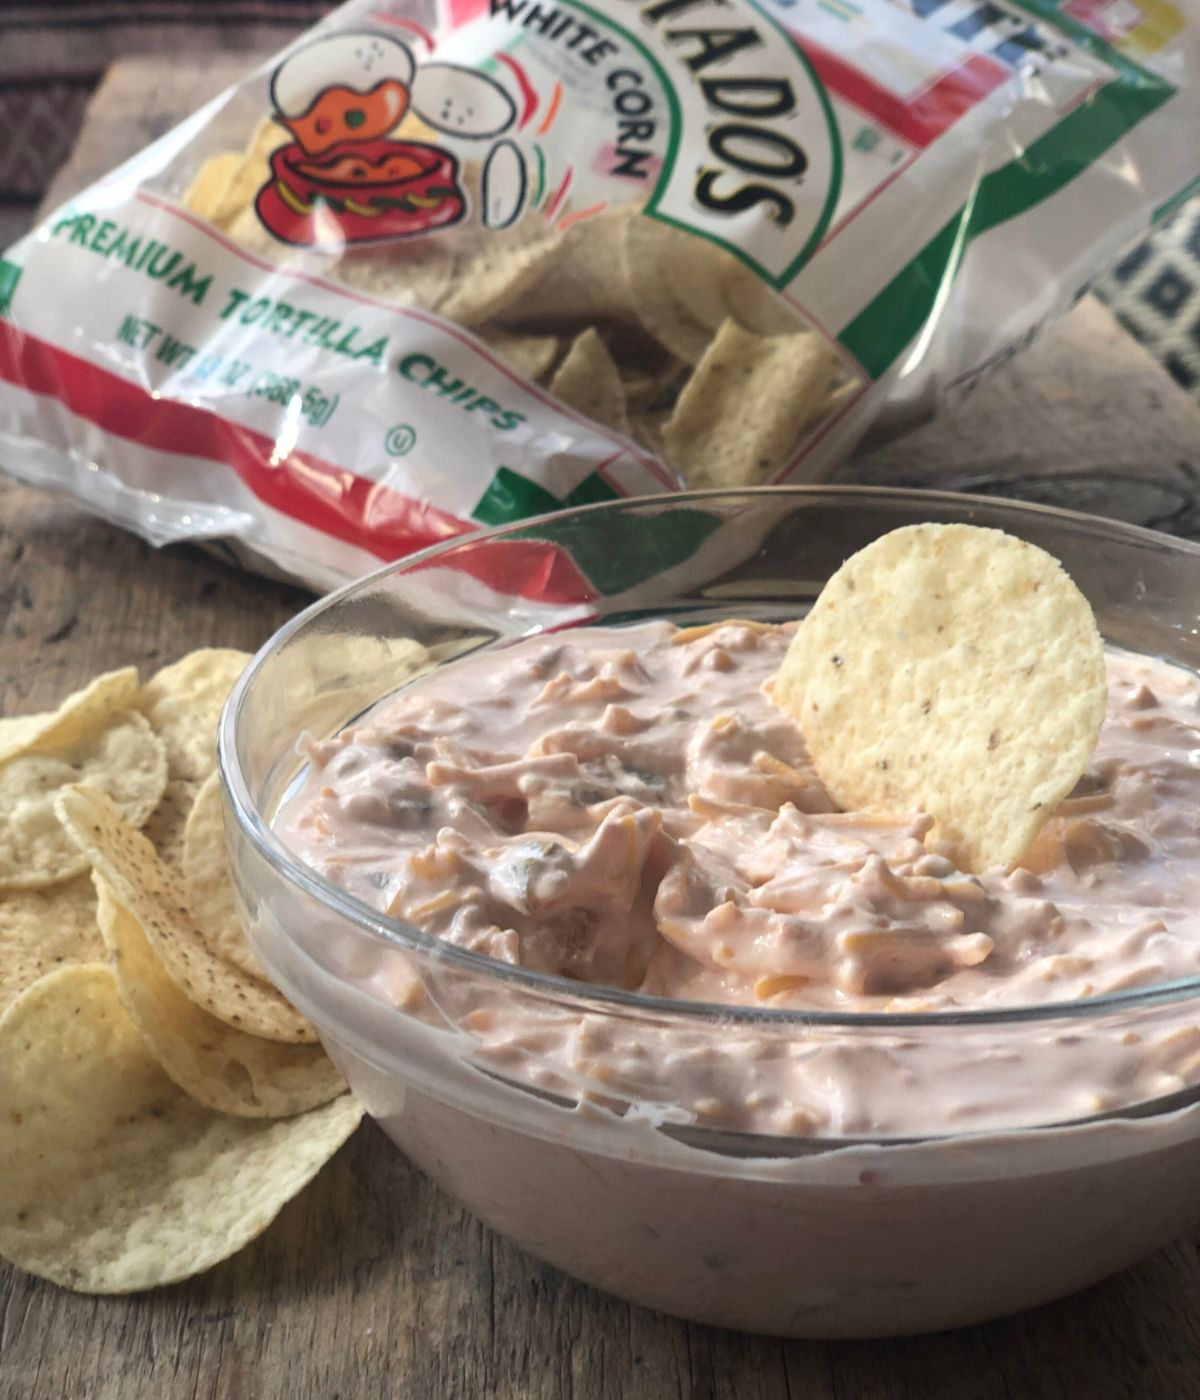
[124,759]
[207,884]
[127,861]
[114,1179]
[43,930]
[184,701]
[222,1068]
[83,713]
[952,670]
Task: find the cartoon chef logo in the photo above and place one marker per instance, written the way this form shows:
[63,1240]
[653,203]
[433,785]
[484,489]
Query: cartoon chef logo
[347,177]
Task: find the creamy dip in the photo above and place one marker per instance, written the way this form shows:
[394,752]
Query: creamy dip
[628,807]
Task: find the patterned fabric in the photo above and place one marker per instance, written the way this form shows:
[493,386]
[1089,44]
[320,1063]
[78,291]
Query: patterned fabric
[1154,291]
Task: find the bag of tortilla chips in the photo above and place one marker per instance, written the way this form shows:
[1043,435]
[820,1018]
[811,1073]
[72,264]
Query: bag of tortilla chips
[445,263]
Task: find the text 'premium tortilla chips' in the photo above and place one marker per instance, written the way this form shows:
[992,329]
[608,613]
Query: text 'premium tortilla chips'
[433,268]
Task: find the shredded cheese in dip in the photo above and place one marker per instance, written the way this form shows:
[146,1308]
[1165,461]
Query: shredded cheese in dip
[628,807]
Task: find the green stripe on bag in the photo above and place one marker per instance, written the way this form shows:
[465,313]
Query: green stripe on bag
[511,496]
[880,333]
[10,275]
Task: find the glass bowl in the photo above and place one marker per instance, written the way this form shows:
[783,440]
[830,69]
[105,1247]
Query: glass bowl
[590,1164]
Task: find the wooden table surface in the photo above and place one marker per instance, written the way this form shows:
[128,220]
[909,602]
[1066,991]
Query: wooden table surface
[374,1283]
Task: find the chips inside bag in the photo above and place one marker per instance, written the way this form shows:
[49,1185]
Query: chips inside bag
[444,265]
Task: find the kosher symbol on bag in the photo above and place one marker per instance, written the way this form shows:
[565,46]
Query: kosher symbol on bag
[347,177]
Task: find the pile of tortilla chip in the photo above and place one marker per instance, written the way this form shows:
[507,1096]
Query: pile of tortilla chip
[160,1100]
[646,329]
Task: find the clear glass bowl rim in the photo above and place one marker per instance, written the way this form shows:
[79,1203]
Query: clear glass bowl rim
[255,827]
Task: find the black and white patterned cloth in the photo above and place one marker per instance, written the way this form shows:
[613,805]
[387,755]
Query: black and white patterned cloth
[1154,291]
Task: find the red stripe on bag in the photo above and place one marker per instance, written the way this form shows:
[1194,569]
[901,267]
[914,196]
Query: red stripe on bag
[533,569]
[924,115]
[317,493]
[325,497]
